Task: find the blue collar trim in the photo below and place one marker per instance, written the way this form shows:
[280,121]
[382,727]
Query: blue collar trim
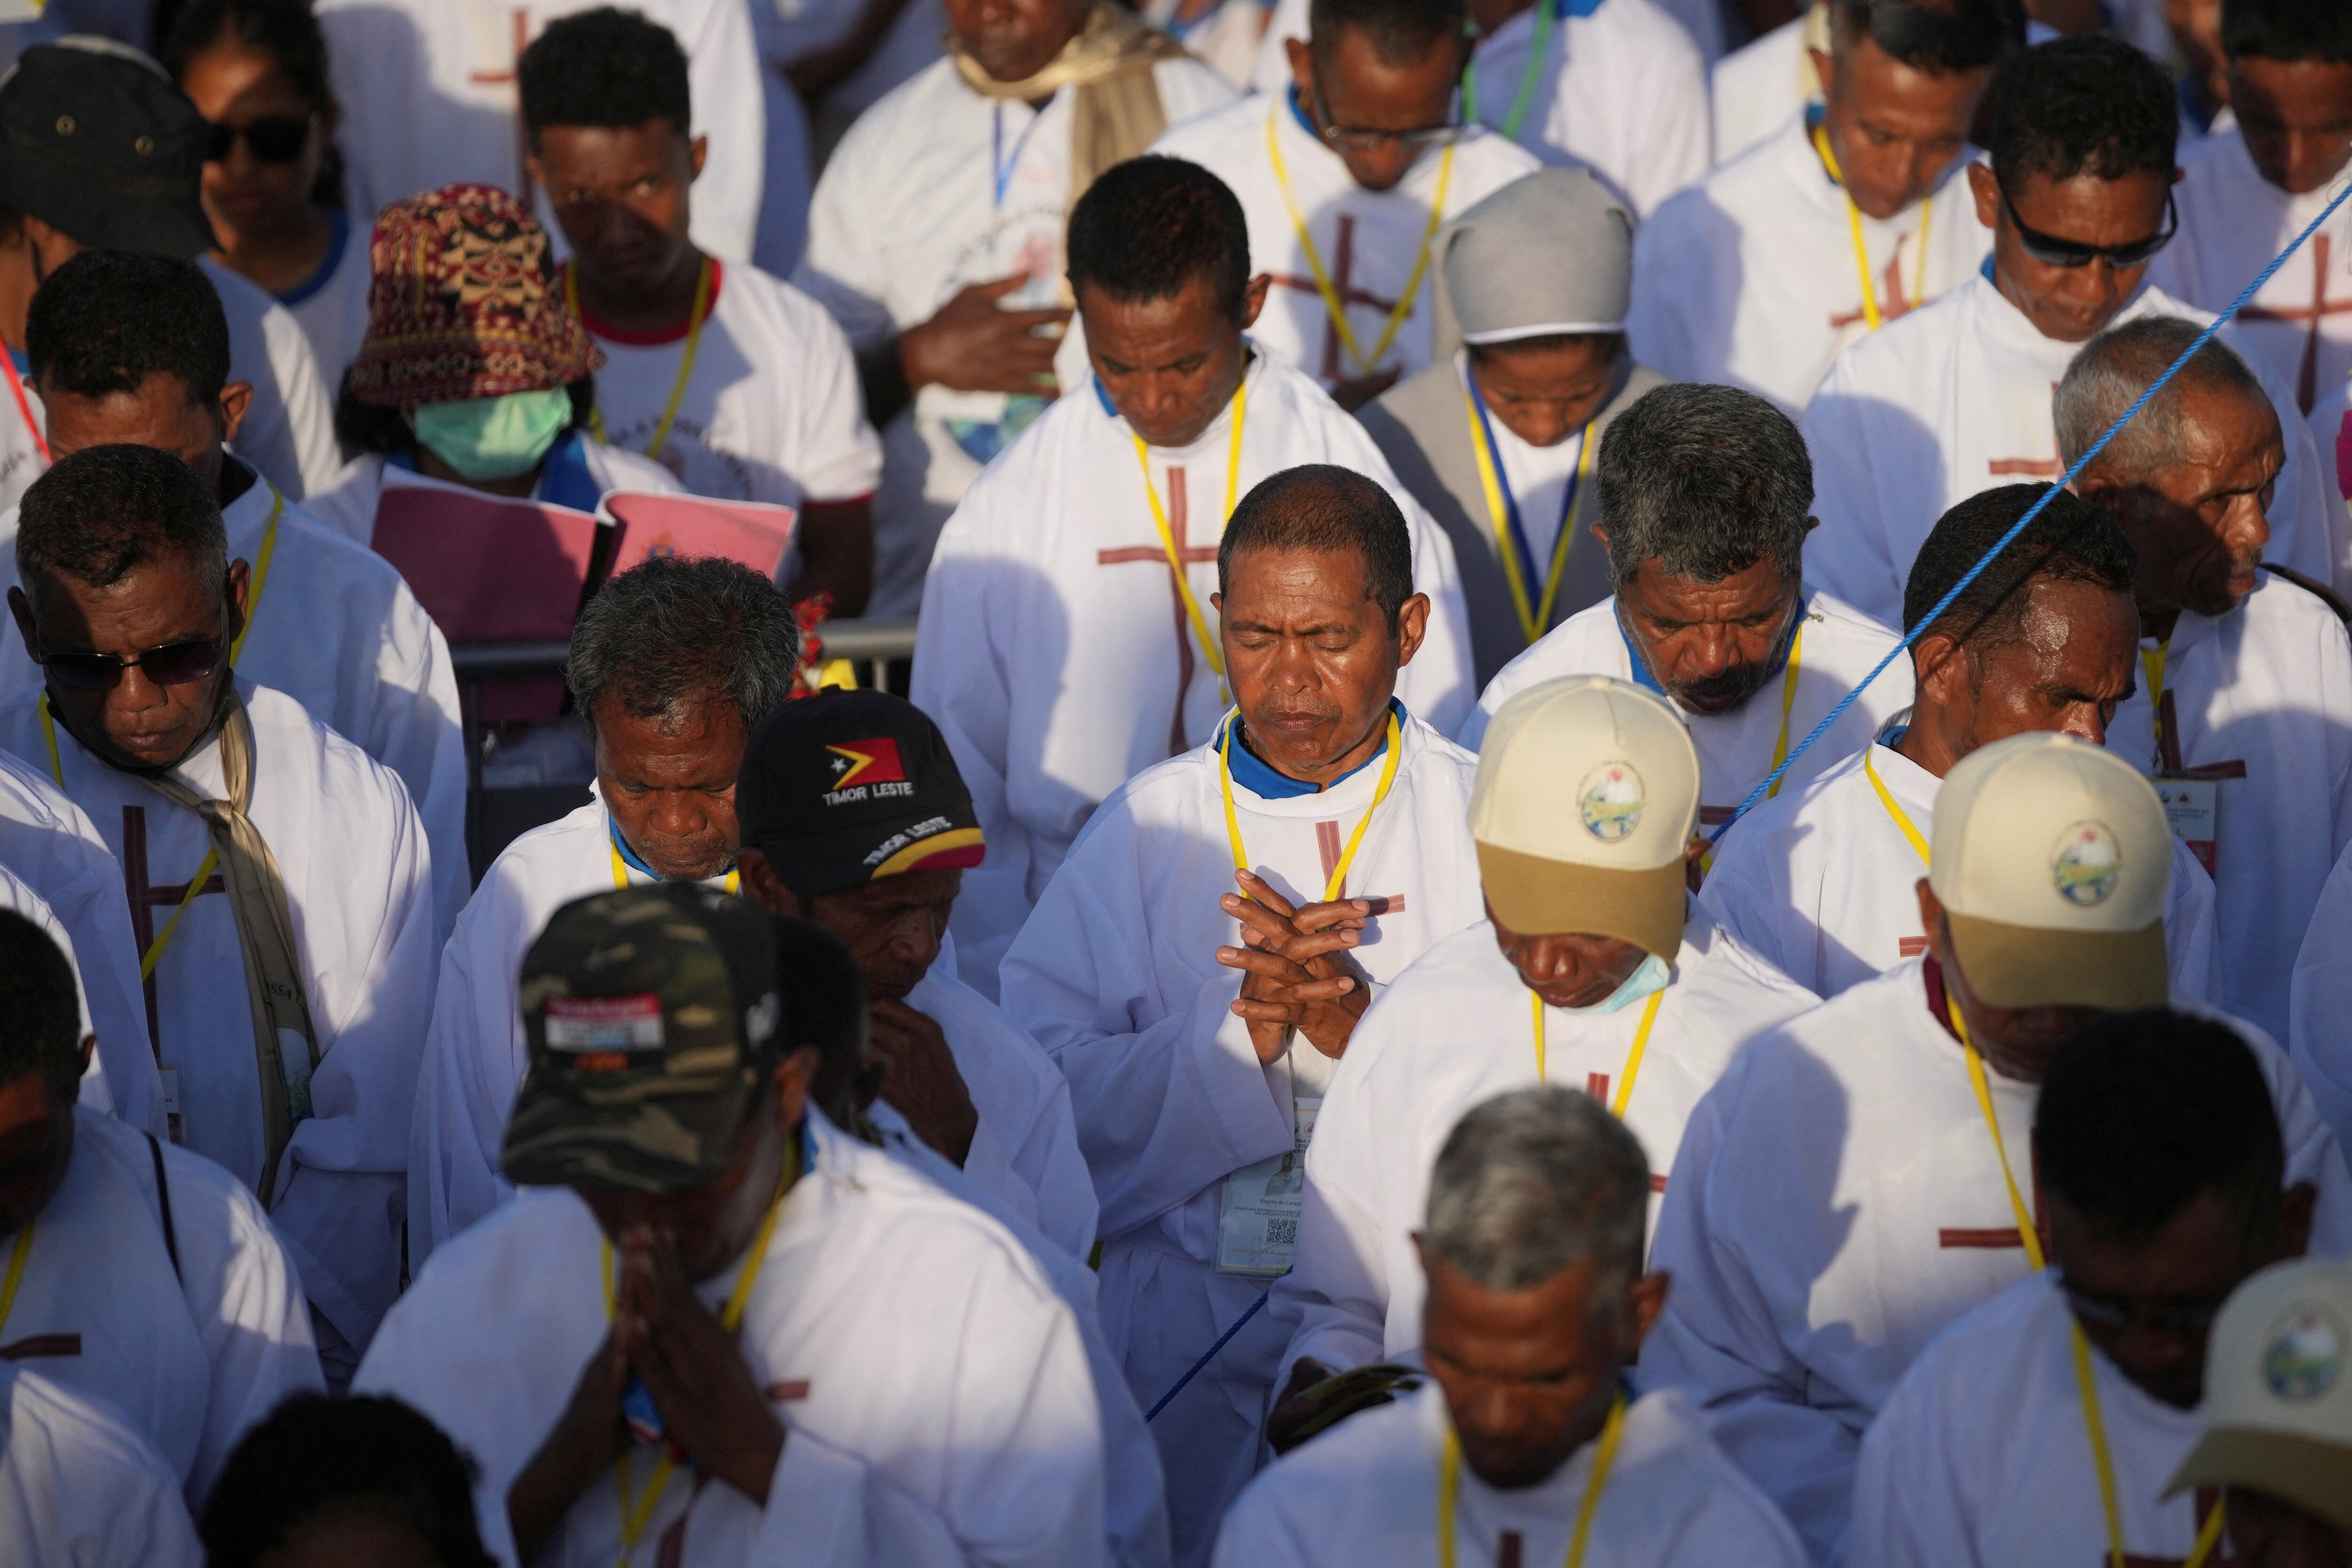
[1986,270]
[334,259]
[1258,776]
[1298,112]
[629,857]
[1102,396]
[23,362]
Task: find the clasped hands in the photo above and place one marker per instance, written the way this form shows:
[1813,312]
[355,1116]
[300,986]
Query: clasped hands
[1296,971]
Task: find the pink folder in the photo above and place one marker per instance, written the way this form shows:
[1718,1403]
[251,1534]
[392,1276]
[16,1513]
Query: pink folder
[752,532]
[490,569]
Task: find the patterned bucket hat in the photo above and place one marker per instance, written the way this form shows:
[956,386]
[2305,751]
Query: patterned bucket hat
[463,302]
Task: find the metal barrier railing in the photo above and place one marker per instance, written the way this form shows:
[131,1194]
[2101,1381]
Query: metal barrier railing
[870,645]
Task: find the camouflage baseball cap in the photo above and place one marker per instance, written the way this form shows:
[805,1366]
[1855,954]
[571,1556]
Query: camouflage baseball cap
[653,1020]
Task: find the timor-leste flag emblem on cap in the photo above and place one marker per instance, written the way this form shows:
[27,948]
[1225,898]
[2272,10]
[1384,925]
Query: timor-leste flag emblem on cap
[839,789]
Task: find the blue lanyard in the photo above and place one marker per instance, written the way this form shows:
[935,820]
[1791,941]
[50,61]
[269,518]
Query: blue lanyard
[1531,573]
[999,169]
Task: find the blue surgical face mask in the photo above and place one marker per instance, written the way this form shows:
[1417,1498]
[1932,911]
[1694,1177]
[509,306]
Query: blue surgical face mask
[494,437]
[1647,981]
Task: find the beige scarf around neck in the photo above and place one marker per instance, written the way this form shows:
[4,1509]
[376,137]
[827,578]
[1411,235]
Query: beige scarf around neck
[1118,112]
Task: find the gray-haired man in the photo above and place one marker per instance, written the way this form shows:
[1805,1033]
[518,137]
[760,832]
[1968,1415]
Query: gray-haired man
[1706,491]
[671,665]
[1537,1302]
[2243,712]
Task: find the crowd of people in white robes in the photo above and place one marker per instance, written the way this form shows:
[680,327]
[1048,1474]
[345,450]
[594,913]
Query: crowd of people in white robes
[1620,830]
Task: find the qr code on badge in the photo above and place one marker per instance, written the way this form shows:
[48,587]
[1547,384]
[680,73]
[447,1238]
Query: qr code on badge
[1282,1232]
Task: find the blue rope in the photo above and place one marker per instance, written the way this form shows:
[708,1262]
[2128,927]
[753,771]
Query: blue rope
[2033,512]
[1211,1354]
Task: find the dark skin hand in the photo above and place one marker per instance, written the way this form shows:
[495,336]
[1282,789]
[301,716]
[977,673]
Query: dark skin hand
[1169,365]
[2296,116]
[2070,304]
[1312,663]
[2071,660]
[2266,1531]
[1710,645]
[669,782]
[2199,524]
[624,197]
[1568,969]
[666,1244]
[2164,1288]
[268,227]
[1359,92]
[1894,129]
[1546,389]
[892,928]
[136,724]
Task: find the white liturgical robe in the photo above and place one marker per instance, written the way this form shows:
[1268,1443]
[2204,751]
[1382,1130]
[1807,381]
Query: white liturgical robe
[195,1336]
[358,881]
[428,99]
[1454,1030]
[334,626]
[772,410]
[24,437]
[935,189]
[1749,277]
[900,1331]
[1116,975]
[1058,656]
[289,431]
[1955,400]
[2320,1033]
[1837,1201]
[1366,243]
[2232,222]
[1837,648]
[1756,89]
[1982,1457]
[1824,883]
[1026,1151]
[55,850]
[2263,704]
[1364,1495]
[80,1488]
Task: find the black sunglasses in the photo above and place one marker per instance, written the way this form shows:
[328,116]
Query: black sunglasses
[2189,1318]
[173,664]
[2052,251]
[274,138]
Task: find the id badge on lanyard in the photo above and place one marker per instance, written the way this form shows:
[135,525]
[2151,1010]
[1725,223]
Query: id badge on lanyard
[1257,1207]
[2192,796]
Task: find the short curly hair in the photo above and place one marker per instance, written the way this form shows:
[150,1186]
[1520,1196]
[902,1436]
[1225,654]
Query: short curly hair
[2089,105]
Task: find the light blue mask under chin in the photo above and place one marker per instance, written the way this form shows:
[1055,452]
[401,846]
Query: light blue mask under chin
[1647,981]
[494,437]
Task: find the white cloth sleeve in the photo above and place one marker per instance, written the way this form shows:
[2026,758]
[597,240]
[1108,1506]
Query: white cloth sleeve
[731,108]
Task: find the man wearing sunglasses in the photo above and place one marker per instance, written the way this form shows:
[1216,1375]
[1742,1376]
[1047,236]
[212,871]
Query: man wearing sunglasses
[1345,177]
[288,1050]
[135,348]
[1956,399]
[2159,1159]
[105,153]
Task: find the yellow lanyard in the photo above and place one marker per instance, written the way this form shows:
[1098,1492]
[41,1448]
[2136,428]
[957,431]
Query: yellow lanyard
[635,1516]
[1870,310]
[1332,304]
[16,1256]
[2151,662]
[1168,538]
[1338,878]
[1534,618]
[1539,51]
[1895,811]
[1632,1058]
[734,883]
[700,313]
[1449,1484]
[154,954]
[1788,701]
[261,560]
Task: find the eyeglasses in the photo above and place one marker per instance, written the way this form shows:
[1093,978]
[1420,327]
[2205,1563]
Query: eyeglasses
[2052,251]
[2190,1318]
[1355,139]
[173,664]
[274,138]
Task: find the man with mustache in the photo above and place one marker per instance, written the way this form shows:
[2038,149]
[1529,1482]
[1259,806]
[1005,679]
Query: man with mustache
[2243,712]
[672,664]
[1706,490]
[1199,963]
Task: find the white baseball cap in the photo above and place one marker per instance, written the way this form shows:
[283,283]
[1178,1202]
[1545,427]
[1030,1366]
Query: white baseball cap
[2278,1390]
[2052,856]
[1587,792]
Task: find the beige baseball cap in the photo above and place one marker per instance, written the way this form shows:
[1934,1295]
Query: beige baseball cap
[2052,856]
[2278,1390]
[1587,792]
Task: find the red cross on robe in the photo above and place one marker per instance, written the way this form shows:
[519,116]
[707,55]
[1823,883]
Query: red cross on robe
[1154,556]
[2307,383]
[1896,305]
[2026,468]
[1343,266]
[145,900]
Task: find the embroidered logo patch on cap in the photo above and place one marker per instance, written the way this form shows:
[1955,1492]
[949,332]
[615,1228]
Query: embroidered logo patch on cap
[863,768]
[2306,1353]
[2086,863]
[1611,801]
[594,1024]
